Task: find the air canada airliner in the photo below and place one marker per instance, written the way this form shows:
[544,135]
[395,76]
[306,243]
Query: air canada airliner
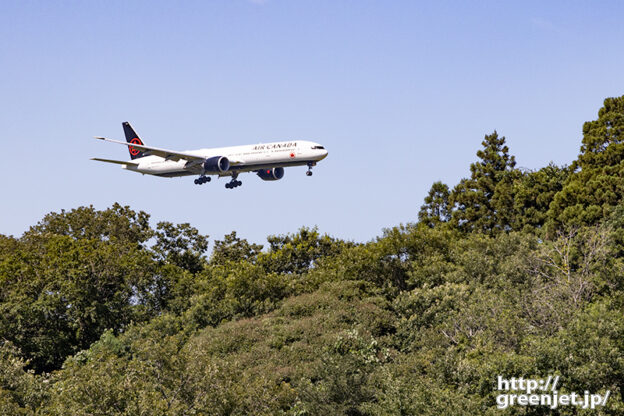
[267,160]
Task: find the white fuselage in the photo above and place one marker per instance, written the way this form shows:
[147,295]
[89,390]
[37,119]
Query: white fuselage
[245,158]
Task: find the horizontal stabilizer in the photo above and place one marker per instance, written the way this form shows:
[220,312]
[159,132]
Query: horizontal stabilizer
[118,162]
[164,153]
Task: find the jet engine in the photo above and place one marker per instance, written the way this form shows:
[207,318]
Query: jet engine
[216,165]
[271,174]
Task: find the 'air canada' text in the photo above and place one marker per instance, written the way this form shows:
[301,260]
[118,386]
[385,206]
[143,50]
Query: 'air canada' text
[275,146]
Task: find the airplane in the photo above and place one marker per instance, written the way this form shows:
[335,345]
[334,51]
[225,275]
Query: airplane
[267,160]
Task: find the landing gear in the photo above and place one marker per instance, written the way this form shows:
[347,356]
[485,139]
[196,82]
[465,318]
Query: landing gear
[201,180]
[309,172]
[233,183]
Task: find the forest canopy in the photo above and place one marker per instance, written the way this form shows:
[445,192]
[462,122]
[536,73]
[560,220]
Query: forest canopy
[509,272]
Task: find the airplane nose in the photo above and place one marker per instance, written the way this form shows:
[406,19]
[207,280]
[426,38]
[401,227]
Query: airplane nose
[324,154]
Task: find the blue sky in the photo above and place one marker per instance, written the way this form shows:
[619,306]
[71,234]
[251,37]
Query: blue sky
[400,92]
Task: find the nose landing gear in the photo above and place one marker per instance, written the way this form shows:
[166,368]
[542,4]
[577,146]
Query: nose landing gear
[309,171]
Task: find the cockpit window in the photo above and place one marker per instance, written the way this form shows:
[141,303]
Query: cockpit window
[318,147]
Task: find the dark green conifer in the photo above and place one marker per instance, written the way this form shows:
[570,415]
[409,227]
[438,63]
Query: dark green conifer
[484,202]
[436,208]
[597,185]
[533,192]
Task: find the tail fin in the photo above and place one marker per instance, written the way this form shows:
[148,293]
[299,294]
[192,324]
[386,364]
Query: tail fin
[132,137]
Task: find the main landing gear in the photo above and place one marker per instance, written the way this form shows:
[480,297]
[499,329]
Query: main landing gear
[233,183]
[201,180]
[309,172]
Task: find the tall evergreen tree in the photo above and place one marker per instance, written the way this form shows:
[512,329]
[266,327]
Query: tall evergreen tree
[533,192]
[596,186]
[436,208]
[484,202]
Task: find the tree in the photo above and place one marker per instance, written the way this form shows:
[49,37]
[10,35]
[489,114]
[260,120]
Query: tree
[596,186]
[20,390]
[234,249]
[59,294]
[116,222]
[296,253]
[78,273]
[484,202]
[436,207]
[344,371]
[224,292]
[533,192]
[181,245]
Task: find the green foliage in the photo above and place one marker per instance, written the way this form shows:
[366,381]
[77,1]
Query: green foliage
[59,294]
[249,366]
[484,202]
[513,273]
[436,208]
[234,249]
[225,293]
[79,273]
[401,389]
[21,392]
[595,188]
[533,193]
[117,222]
[181,245]
[420,321]
[588,353]
[391,263]
[297,253]
[340,386]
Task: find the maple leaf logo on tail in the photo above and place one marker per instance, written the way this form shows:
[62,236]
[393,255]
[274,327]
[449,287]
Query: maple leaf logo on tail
[132,137]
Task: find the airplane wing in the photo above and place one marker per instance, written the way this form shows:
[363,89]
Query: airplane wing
[118,162]
[164,153]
